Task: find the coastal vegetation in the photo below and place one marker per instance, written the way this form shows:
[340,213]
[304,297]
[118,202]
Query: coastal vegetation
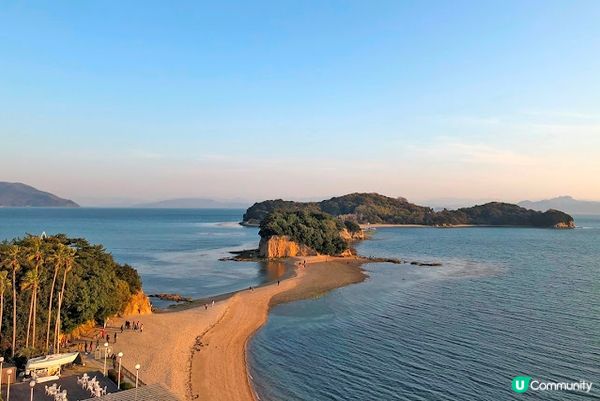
[257,212]
[372,208]
[316,230]
[51,285]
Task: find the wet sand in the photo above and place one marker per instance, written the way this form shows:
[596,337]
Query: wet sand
[200,353]
[219,368]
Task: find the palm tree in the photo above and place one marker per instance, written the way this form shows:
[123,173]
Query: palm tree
[4,286]
[12,261]
[36,256]
[29,282]
[58,259]
[69,261]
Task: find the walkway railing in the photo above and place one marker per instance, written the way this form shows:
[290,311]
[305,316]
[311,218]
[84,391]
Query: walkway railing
[131,376]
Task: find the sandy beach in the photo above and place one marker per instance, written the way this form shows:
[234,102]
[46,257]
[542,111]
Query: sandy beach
[163,349]
[200,353]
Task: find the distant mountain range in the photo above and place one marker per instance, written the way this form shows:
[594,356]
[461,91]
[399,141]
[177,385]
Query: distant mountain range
[195,203]
[16,194]
[565,203]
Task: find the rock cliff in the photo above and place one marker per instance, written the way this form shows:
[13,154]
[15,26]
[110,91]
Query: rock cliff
[281,246]
[139,304]
[567,225]
[352,236]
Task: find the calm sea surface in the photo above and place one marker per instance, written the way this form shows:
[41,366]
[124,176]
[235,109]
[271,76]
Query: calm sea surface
[506,302]
[175,250]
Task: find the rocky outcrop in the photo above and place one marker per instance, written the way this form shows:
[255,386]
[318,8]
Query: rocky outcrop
[171,297]
[281,246]
[563,225]
[352,236]
[83,330]
[139,304]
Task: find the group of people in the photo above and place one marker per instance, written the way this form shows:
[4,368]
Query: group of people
[133,325]
[211,304]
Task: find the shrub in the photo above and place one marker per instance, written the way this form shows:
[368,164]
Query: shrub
[126,386]
[351,226]
[112,375]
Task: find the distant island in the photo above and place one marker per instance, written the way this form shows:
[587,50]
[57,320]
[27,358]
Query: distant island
[195,203]
[372,208]
[16,194]
[289,228]
[565,203]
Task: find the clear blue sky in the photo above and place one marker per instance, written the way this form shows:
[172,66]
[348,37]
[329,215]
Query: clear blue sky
[423,99]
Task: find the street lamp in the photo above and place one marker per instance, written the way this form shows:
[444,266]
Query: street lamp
[120,355]
[1,362]
[8,375]
[32,385]
[137,374]
[105,355]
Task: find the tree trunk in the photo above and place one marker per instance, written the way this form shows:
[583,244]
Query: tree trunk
[57,326]
[34,316]
[29,321]
[60,299]
[14,339]
[1,312]
[50,310]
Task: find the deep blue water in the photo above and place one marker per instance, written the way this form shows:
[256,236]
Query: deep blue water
[175,250]
[506,302]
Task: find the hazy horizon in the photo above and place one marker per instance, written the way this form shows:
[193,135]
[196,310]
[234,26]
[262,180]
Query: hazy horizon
[442,202]
[484,101]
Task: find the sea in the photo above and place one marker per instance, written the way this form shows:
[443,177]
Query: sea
[174,250]
[505,302]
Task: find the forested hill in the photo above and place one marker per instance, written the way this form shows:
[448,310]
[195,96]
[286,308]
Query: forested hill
[15,194]
[60,283]
[372,208]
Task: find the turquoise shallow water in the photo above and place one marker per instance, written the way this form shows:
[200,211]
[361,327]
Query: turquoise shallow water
[506,302]
[175,250]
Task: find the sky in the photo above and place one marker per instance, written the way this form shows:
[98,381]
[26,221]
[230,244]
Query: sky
[105,101]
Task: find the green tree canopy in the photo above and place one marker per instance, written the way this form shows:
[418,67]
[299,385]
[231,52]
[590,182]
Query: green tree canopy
[317,230]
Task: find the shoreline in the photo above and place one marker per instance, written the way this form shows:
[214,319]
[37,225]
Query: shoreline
[199,351]
[290,272]
[385,225]
[220,368]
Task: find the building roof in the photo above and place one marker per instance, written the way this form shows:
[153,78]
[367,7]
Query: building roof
[152,392]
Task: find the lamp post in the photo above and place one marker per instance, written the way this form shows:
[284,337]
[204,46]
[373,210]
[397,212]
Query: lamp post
[105,355]
[32,385]
[8,375]
[120,355]
[137,374]
[1,363]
